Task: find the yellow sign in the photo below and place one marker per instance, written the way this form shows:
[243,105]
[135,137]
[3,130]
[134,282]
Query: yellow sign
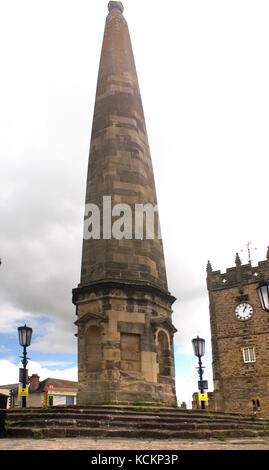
[23,392]
[203,397]
[45,401]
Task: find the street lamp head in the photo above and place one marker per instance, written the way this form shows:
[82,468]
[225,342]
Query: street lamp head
[263,294]
[198,346]
[25,335]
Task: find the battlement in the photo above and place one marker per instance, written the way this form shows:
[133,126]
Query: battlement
[237,276]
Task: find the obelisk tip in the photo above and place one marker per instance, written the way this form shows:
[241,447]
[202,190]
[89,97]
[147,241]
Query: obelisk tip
[115,6]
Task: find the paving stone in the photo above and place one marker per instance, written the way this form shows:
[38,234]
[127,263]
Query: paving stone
[131,444]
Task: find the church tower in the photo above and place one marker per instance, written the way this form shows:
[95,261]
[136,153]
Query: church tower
[240,338]
[123,306]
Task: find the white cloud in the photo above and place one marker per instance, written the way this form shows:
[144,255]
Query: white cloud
[44,372]
[54,363]
[57,340]
[9,372]
[11,317]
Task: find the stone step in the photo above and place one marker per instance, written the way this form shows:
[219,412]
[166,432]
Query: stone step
[32,415]
[126,410]
[105,421]
[132,412]
[52,422]
[22,432]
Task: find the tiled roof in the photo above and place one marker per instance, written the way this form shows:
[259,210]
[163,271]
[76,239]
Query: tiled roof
[10,386]
[56,383]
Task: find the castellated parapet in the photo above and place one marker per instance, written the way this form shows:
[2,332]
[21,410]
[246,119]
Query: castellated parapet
[239,275]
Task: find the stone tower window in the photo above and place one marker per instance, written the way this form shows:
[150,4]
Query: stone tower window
[256,404]
[249,355]
[93,349]
[163,353]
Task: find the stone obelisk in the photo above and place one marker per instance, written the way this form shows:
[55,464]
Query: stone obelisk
[125,333]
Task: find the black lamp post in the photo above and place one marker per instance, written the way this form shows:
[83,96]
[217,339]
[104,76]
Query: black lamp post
[263,294]
[199,350]
[25,335]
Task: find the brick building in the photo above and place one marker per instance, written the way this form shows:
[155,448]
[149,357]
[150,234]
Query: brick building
[47,392]
[51,392]
[240,339]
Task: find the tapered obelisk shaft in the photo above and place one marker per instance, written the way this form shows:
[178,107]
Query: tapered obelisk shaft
[120,165]
[125,333]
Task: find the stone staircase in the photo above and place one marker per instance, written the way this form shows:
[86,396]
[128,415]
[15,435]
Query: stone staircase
[145,422]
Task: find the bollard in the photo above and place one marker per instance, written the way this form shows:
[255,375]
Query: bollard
[3,407]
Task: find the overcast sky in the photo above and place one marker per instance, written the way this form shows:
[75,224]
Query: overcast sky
[203,71]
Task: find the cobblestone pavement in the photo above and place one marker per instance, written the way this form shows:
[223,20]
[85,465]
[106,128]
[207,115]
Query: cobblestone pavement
[131,444]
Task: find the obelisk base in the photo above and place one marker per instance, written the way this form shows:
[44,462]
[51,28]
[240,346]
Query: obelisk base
[125,344]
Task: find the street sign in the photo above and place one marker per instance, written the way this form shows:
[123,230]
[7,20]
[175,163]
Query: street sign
[203,384]
[21,375]
[23,392]
[203,397]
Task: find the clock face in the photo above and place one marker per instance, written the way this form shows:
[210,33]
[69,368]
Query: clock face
[243,311]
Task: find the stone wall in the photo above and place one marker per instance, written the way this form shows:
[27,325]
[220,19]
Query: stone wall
[133,337]
[239,384]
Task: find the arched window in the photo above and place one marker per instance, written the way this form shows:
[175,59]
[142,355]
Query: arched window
[163,353]
[256,405]
[93,349]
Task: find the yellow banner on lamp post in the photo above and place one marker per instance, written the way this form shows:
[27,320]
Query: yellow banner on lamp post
[203,397]
[23,392]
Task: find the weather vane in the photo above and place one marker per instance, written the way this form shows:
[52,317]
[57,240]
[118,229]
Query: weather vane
[249,252]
